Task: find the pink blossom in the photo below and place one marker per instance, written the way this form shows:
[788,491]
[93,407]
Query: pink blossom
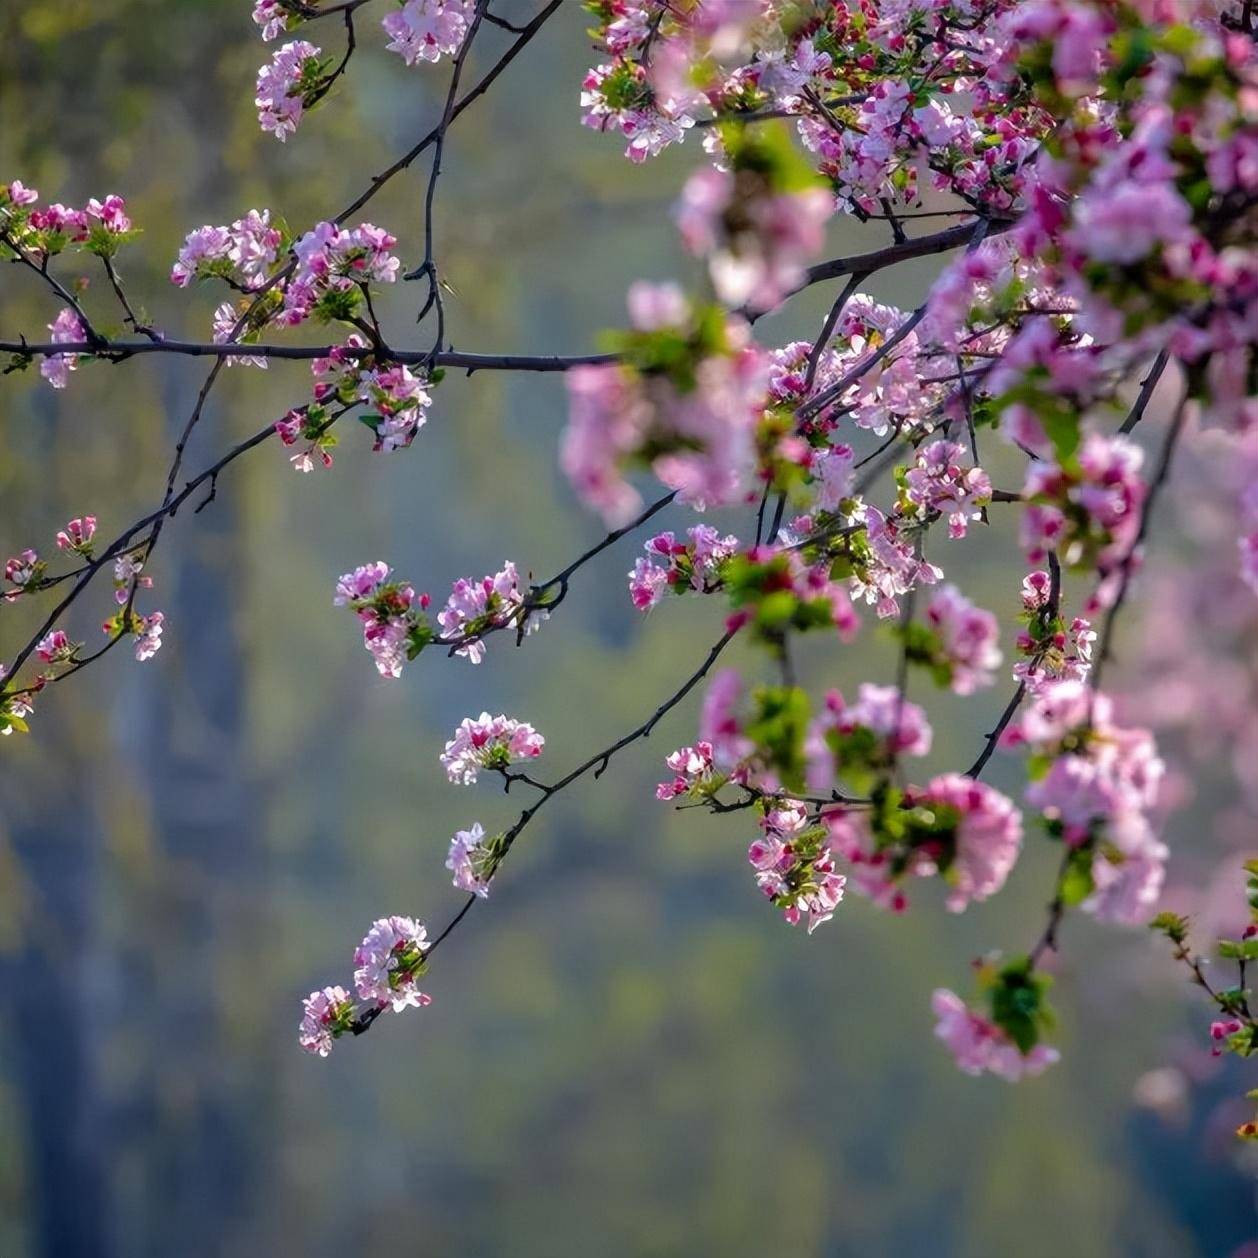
[325,1015]
[492,742]
[148,636]
[839,742]
[205,245]
[968,637]
[18,194]
[111,214]
[795,866]
[1124,223]
[77,535]
[389,961]
[476,606]
[894,566]
[473,859]
[693,770]
[54,647]
[719,724]
[66,329]
[272,18]
[987,838]
[225,332]
[425,30]
[22,570]
[280,98]
[981,1047]
[938,483]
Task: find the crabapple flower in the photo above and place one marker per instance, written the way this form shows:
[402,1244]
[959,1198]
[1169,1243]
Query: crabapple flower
[720,727]
[226,317]
[795,866]
[66,329]
[966,638]
[680,566]
[127,569]
[426,30]
[1089,512]
[243,253]
[475,607]
[757,232]
[394,628]
[389,962]
[893,566]
[488,742]
[148,635]
[985,839]
[54,647]
[111,214]
[325,1015]
[1051,649]
[333,265]
[401,401]
[689,416]
[693,772]
[201,248]
[1096,783]
[24,571]
[979,1046]
[473,859]
[286,86]
[20,195]
[860,740]
[77,535]
[616,96]
[938,483]
[15,707]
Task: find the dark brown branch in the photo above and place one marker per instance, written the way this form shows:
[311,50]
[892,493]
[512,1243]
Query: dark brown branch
[302,353]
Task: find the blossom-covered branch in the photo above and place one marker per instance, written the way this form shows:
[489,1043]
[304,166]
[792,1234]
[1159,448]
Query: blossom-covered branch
[1101,162]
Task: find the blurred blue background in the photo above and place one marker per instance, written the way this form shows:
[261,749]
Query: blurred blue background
[628,1052]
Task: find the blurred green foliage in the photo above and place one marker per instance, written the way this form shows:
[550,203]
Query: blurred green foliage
[629,1053]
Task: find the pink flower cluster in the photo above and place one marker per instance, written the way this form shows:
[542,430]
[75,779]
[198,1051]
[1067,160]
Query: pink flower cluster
[979,1046]
[696,432]
[985,843]
[426,30]
[615,96]
[66,329]
[967,638]
[473,859]
[795,866]
[1051,650]
[332,265]
[679,566]
[1088,511]
[893,567]
[488,742]
[326,1015]
[286,85]
[474,607]
[100,227]
[1098,785]
[693,772]
[937,482]
[388,611]
[388,964]
[242,253]
[896,393]
[758,241]
[870,734]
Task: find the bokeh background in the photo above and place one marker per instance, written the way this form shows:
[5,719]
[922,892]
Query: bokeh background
[628,1053]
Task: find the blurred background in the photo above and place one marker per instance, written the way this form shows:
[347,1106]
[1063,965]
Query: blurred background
[629,1053]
